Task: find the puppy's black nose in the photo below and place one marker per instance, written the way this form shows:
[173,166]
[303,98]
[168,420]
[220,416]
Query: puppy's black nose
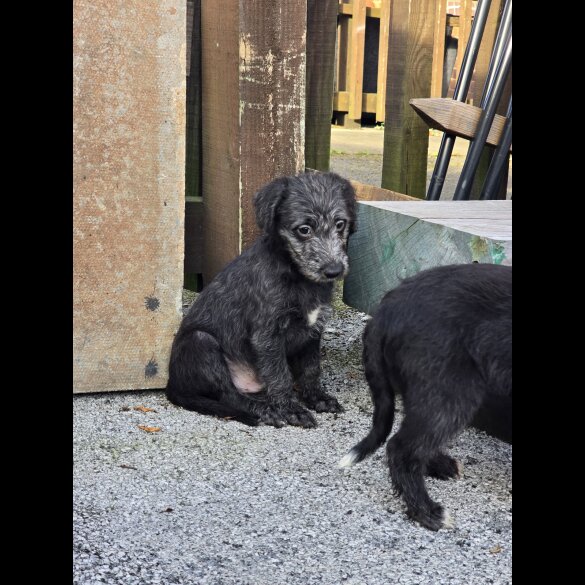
[333,270]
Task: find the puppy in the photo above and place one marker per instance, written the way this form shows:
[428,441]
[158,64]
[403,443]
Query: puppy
[255,330]
[443,339]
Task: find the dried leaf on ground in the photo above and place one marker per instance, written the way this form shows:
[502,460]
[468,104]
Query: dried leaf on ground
[144,409]
[149,429]
[496,549]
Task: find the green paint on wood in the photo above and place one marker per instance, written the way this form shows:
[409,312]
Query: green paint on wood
[498,253]
[479,248]
[388,251]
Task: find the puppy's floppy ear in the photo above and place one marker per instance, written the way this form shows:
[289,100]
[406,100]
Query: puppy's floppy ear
[266,203]
[348,193]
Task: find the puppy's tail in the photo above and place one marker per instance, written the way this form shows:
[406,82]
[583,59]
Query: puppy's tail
[205,405]
[383,398]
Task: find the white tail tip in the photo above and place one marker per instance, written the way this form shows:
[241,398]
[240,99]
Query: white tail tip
[348,460]
[448,521]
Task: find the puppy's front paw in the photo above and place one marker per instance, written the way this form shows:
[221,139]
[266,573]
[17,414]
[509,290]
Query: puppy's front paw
[300,418]
[292,414]
[322,403]
[272,417]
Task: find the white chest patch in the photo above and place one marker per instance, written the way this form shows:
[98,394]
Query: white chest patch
[313,316]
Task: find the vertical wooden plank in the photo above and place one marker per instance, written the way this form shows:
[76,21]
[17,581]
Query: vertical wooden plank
[253,104]
[128,190]
[383,60]
[321,31]
[439,49]
[343,42]
[356,68]
[410,56]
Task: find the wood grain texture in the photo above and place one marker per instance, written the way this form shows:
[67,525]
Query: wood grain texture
[356,59]
[253,79]
[341,102]
[366,192]
[321,31]
[383,60]
[456,118]
[439,48]
[128,190]
[410,56]
[397,239]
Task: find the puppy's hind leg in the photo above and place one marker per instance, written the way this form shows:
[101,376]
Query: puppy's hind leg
[442,466]
[407,451]
[430,421]
[199,379]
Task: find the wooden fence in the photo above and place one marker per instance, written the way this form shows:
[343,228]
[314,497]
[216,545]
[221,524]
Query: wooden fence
[259,103]
[361,56]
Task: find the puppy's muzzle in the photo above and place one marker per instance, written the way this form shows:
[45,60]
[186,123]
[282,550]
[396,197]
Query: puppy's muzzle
[333,270]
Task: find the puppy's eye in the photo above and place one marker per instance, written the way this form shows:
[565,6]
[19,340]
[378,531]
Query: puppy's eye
[304,230]
[339,225]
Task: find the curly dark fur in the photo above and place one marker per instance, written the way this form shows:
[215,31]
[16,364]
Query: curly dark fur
[255,330]
[443,339]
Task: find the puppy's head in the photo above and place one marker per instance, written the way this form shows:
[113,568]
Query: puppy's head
[313,214]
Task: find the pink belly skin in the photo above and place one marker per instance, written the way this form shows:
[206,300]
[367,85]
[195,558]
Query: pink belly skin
[244,378]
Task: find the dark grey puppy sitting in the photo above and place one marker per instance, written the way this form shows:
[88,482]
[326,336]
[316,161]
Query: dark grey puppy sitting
[443,339]
[254,332]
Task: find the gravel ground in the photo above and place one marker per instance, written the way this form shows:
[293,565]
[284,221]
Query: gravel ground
[357,154]
[210,501]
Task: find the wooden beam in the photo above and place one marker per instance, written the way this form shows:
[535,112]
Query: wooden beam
[253,104]
[356,67]
[397,239]
[341,102]
[439,49]
[321,31]
[382,61]
[347,10]
[364,192]
[410,56]
[456,118]
[128,190]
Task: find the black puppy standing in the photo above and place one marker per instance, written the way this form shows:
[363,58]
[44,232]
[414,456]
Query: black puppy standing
[443,339]
[254,332]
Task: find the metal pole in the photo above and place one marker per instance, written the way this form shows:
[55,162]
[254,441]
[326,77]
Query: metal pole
[500,159]
[503,33]
[484,125]
[460,93]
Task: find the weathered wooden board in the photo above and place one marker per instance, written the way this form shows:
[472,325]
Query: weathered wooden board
[410,58]
[321,32]
[397,239]
[356,61]
[439,48]
[456,118]
[128,190]
[253,108]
